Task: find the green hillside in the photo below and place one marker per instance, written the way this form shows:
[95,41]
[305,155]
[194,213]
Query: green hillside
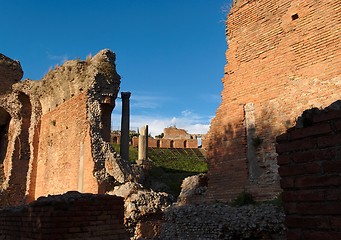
[171,166]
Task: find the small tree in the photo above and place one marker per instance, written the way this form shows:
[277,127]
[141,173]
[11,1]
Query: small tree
[160,135]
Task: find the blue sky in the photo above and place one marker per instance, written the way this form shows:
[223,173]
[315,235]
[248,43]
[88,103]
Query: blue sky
[170,53]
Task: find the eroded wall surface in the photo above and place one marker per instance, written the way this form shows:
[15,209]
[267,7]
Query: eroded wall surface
[283,57]
[54,132]
[64,151]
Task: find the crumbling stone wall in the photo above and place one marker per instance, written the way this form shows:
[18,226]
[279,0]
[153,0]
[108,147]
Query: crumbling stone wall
[55,132]
[220,221]
[310,167]
[68,216]
[283,57]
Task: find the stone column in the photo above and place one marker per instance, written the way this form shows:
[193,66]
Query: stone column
[124,147]
[143,143]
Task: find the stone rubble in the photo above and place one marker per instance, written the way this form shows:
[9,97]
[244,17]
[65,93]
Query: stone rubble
[220,221]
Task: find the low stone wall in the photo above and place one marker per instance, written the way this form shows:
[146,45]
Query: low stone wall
[310,168]
[69,216]
[220,221]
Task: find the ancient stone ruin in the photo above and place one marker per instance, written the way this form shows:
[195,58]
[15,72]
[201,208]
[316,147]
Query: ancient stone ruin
[172,137]
[55,138]
[283,57]
[55,132]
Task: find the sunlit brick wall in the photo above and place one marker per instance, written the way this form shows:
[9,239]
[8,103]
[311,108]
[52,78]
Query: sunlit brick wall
[284,56]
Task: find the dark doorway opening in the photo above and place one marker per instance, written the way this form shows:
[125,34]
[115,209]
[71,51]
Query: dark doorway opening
[106,121]
[5,119]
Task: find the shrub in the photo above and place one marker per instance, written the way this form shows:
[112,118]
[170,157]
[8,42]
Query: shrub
[243,199]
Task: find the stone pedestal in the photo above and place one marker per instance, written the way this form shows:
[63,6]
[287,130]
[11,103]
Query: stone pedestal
[143,143]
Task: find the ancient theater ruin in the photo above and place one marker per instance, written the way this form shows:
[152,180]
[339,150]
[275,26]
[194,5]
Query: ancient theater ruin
[284,56]
[55,132]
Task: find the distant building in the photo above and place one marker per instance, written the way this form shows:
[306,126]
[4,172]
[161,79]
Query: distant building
[172,138]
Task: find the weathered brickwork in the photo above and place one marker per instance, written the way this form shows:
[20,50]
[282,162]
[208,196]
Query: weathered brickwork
[54,133]
[310,167]
[283,57]
[68,216]
[64,153]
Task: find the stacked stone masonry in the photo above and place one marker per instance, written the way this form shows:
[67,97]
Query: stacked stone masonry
[69,216]
[310,167]
[54,133]
[284,56]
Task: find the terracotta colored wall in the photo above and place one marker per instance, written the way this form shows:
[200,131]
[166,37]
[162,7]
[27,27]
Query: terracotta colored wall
[310,167]
[278,66]
[175,133]
[65,143]
[154,143]
[166,143]
[70,216]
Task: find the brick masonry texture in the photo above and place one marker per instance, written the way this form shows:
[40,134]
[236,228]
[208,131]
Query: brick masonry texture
[284,56]
[69,216]
[54,133]
[65,133]
[310,175]
[173,138]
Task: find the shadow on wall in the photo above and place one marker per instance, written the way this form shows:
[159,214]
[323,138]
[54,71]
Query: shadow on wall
[5,119]
[310,167]
[242,156]
[20,163]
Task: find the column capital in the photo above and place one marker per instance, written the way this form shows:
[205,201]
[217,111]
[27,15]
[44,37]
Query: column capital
[125,95]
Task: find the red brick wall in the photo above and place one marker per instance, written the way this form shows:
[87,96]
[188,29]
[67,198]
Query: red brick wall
[310,167]
[68,216]
[64,142]
[282,65]
[166,143]
[175,133]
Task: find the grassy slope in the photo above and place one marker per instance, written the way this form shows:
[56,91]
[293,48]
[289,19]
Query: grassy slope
[171,166]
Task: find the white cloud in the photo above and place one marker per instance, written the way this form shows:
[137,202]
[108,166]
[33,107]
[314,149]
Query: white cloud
[186,113]
[146,102]
[60,59]
[186,119]
[156,124]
